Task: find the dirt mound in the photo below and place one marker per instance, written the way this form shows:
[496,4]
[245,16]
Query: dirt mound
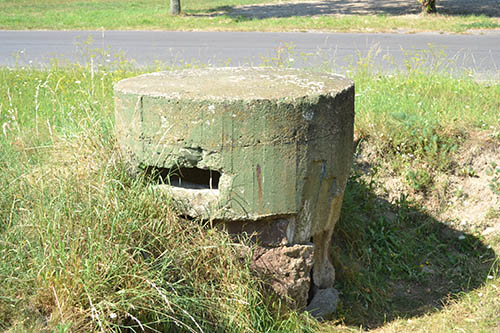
[462,197]
[471,201]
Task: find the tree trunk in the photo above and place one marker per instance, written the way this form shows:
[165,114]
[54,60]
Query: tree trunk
[175,7]
[429,6]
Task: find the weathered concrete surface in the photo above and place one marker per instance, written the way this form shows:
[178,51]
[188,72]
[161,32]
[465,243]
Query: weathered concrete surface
[280,139]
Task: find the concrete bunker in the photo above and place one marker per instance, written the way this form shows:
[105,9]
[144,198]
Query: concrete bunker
[261,150]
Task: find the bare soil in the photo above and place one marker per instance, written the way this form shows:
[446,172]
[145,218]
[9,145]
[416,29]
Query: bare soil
[461,197]
[470,201]
[460,201]
[364,7]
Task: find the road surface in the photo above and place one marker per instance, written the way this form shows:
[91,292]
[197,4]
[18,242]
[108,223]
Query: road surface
[336,51]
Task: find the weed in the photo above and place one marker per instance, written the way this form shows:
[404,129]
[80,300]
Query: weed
[494,172]
[460,192]
[468,172]
[85,247]
[393,259]
[285,56]
[419,180]
[492,213]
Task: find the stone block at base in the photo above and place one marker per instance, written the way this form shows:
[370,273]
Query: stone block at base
[288,271]
[324,303]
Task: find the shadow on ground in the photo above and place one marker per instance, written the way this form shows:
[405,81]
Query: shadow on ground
[355,7]
[395,260]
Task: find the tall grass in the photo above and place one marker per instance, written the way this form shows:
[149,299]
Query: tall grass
[394,259]
[85,248]
[420,114]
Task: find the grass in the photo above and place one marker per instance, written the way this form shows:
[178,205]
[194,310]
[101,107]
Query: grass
[85,248]
[394,260]
[428,120]
[403,265]
[211,15]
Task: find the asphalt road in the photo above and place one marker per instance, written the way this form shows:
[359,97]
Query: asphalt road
[478,53]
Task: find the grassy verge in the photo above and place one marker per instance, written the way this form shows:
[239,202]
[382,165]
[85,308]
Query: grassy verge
[85,248]
[404,253]
[211,15]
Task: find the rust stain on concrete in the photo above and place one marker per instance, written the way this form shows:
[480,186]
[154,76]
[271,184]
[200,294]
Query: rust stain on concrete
[258,172]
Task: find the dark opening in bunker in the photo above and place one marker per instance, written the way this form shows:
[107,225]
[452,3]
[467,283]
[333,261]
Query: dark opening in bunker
[192,178]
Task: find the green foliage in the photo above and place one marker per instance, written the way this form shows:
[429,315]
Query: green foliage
[419,180]
[387,255]
[494,172]
[419,117]
[394,259]
[482,23]
[84,247]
